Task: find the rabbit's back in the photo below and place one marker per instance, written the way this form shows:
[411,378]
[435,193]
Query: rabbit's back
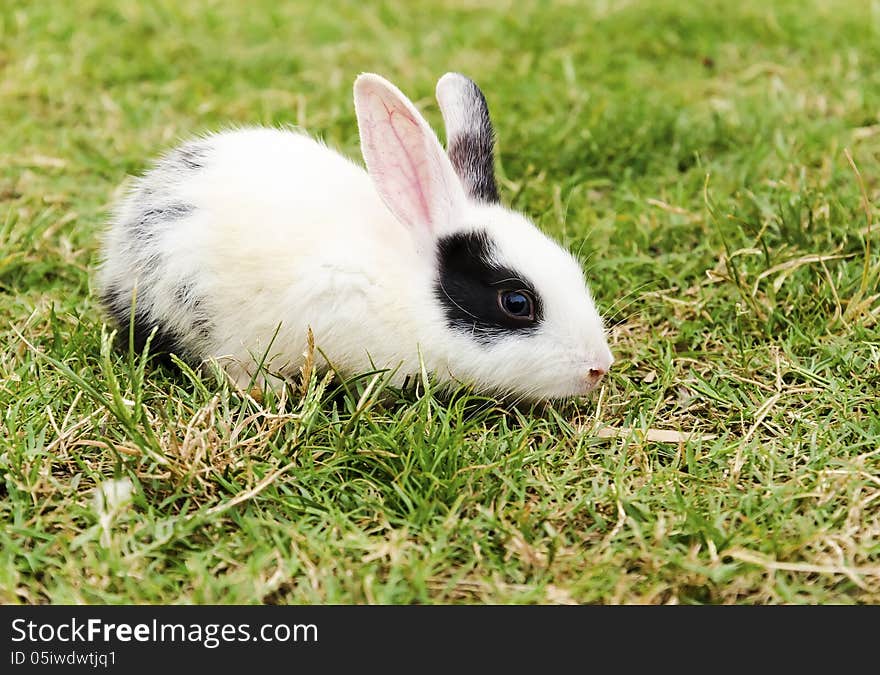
[232,235]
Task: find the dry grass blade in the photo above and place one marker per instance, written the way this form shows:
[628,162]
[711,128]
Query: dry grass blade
[854,573]
[250,494]
[308,365]
[118,447]
[866,206]
[654,435]
[790,266]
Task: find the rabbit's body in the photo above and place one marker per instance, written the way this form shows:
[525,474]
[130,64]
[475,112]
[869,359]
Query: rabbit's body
[238,243]
[280,227]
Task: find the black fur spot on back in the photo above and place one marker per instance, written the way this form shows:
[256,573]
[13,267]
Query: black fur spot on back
[467,287]
[164,342]
[186,297]
[144,225]
[191,155]
[159,209]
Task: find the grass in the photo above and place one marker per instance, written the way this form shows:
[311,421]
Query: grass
[697,155]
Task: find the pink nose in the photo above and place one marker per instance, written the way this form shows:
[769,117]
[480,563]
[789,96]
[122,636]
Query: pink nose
[594,375]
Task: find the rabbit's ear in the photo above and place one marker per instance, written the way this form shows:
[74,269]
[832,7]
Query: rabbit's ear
[405,160]
[469,135]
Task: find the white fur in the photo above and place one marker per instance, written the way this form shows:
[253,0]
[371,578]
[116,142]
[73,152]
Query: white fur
[451,93]
[287,234]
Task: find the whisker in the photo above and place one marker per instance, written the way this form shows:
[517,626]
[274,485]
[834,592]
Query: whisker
[513,279]
[632,292]
[443,288]
[630,297]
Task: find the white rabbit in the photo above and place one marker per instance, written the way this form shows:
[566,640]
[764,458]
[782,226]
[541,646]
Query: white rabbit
[235,244]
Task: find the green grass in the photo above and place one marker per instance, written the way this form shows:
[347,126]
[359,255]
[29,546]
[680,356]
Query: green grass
[694,154]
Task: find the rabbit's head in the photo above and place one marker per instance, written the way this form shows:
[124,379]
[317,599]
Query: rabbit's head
[509,310]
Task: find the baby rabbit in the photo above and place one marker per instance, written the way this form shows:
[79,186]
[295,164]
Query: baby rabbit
[235,244]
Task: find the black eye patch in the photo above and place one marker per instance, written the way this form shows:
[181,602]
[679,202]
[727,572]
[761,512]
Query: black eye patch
[477,294]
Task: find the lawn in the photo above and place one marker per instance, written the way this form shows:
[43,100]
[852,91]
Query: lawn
[715,165]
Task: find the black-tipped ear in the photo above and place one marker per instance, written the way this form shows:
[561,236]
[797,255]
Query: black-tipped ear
[469,135]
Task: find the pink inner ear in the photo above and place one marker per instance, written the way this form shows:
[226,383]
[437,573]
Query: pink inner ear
[402,126]
[396,151]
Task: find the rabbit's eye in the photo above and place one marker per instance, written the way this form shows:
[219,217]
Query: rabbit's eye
[517,304]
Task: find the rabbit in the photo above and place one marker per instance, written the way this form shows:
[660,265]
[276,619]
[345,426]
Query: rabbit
[236,244]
